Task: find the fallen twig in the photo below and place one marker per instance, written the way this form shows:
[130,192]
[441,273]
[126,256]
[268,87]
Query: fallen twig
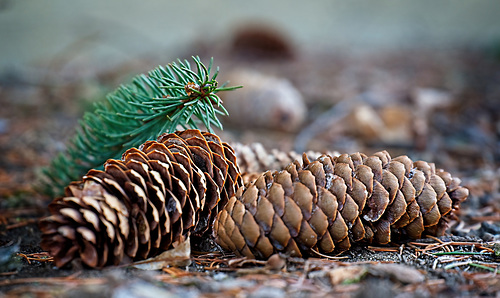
[22,223]
[53,280]
[384,249]
[8,273]
[432,246]
[40,257]
[485,218]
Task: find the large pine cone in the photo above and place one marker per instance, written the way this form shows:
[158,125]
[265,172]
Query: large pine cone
[325,204]
[143,204]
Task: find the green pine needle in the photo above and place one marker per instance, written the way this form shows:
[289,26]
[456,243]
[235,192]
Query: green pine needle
[169,97]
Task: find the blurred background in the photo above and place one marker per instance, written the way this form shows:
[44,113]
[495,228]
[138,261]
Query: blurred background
[106,33]
[420,78]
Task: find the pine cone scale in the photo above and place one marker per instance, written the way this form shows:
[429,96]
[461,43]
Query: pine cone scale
[377,202]
[397,209]
[279,235]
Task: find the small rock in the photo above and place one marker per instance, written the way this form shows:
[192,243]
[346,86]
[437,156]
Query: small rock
[8,259]
[276,262]
[268,292]
[490,228]
[488,237]
[220,276]
[427,99]
[402,273]
[376,288]
[141,289]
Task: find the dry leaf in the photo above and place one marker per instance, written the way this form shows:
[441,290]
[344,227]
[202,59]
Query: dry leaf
[240,262]
[179,256]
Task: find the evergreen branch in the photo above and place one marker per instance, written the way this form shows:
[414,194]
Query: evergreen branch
[168,97]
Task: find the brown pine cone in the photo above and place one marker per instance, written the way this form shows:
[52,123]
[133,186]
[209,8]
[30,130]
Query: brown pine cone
[143,204]
[328,203]
[254,159]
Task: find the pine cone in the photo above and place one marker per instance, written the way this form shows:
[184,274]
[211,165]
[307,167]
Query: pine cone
[254,159]
[326,204]
[145,203]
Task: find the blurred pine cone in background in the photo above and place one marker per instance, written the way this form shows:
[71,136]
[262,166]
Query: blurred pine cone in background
[253,159]
[266,102]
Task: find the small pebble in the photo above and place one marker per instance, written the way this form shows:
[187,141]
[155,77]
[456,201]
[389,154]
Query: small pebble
[276,262]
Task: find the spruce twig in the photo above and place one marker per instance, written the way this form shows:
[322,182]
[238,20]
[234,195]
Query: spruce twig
[168,97]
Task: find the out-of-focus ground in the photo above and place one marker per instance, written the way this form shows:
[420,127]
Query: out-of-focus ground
[398,77]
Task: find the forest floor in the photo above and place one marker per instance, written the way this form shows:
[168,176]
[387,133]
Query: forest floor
[443,107]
